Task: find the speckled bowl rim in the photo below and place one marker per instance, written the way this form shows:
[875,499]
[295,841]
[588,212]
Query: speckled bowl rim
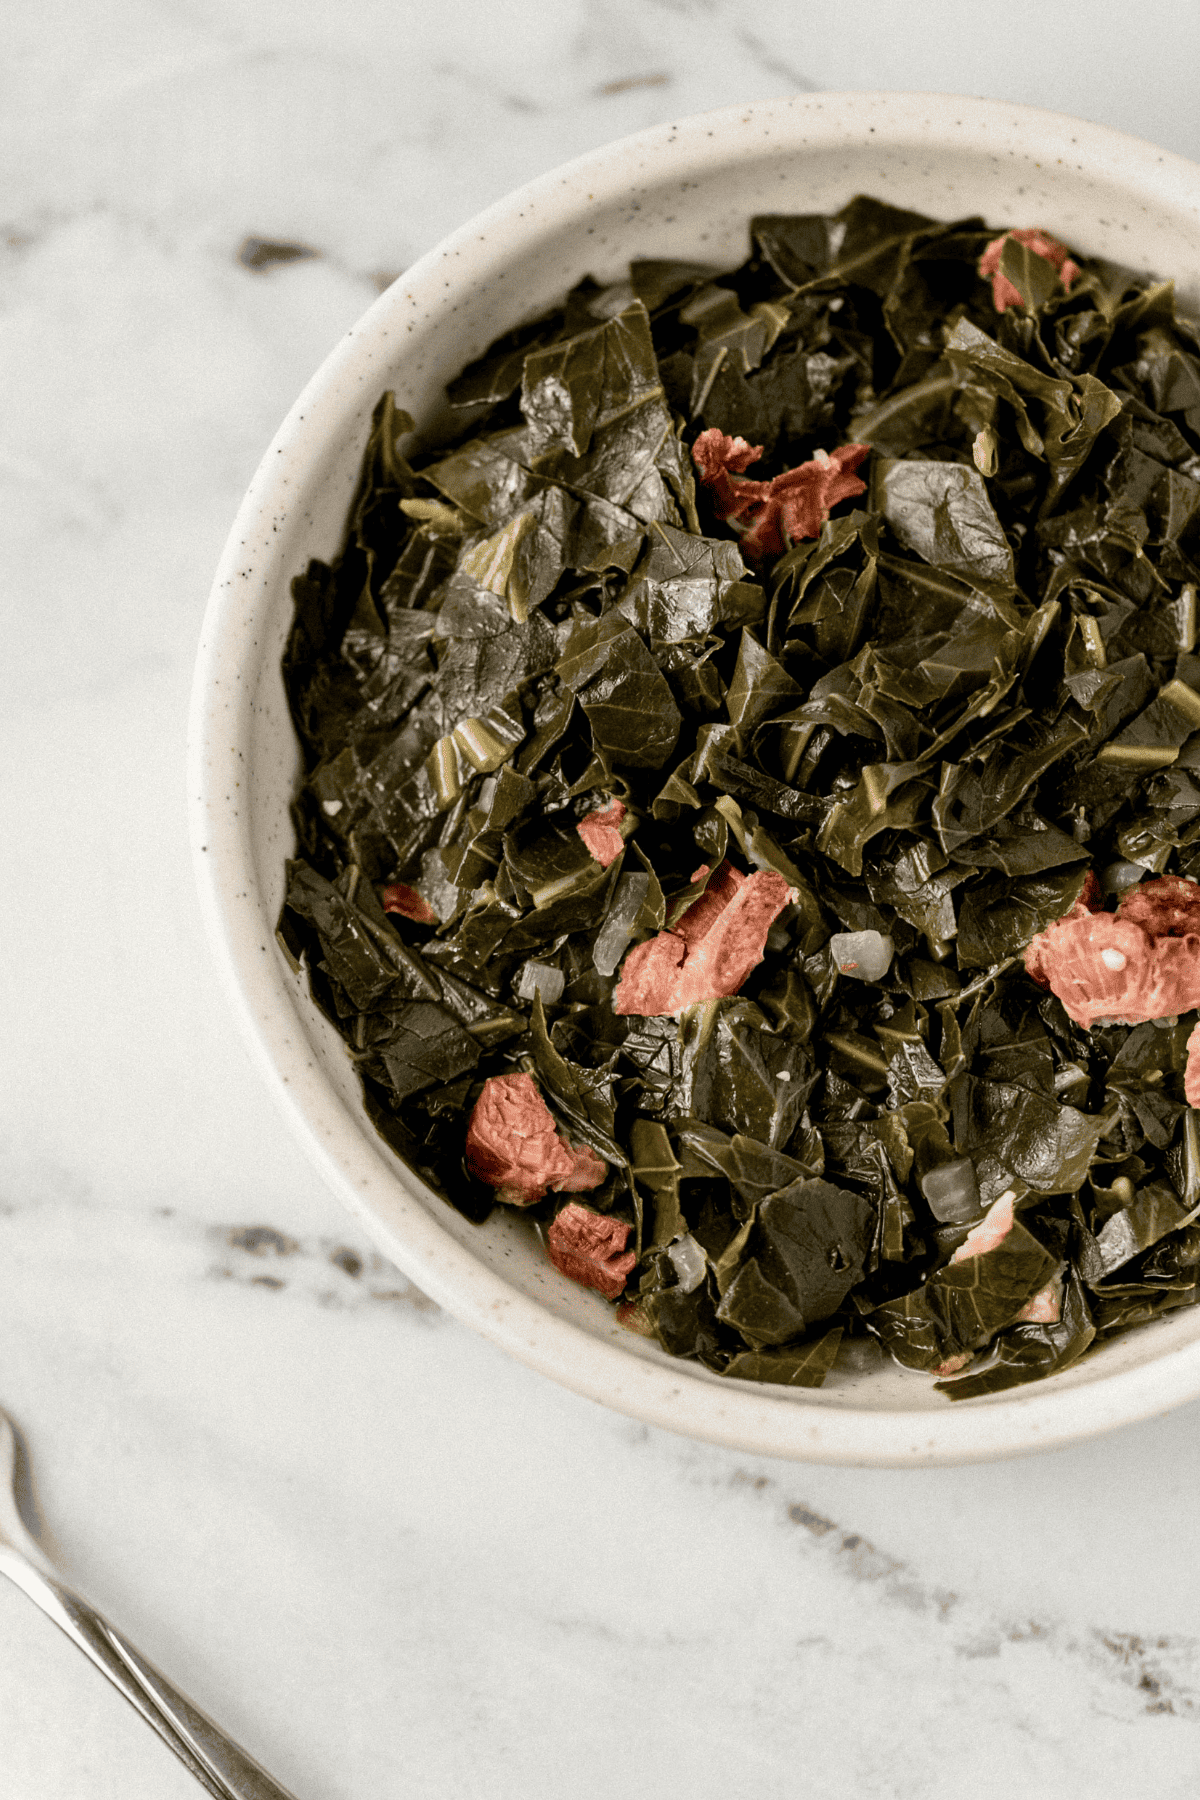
[663,1393]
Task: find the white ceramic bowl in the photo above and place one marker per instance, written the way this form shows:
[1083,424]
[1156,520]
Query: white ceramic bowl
[677,190]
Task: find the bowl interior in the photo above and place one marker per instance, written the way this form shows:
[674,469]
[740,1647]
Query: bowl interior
[685,190]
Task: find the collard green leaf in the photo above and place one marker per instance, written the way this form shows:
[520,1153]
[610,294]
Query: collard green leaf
[913,1074]
[686,1324]
[870,241]
[798,247]
[965,1303]
[599,421]
[655,280]
[1153,1214]
[726,336]
[760,686]
[1000,917]
[914,418]
[942,512]
[628,703]
[1023,1353]
[485,477]
[356,946]
[731,1067]
[1125,1313]
[1034,277]
[971,801]
[684,587]
[741,781]
[806,1365]
[565,386]
[427,1046]
[875,1157]
[1012,1133]
[496,375]
[583,1096]
[761,1310]
[811,1239]
[653,1167]
[796,394]
[549,865]
[826,588]
[887,797]
[1027,845]
[754,1170]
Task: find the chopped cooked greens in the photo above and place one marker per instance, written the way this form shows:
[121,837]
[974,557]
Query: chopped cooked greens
[962,708]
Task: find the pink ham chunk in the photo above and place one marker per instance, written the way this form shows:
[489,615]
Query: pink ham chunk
[708,953]
[770,515]
[991,1230]
[399,898]
[599,831]
[1168,906]
[1004,293]
[513,1145]
[1046,1306]
[1141,962]
[589,1247]
[1191,1075]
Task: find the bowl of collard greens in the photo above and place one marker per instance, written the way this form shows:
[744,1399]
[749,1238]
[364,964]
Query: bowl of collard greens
[878,1197]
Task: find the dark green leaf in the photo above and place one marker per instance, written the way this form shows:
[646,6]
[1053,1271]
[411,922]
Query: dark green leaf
[1154,1213]
[805,1366]
[731,1068]
[965,1303]
[652,1166]
[686,1324]
[1024,1353]
[427,1046]
[941,511]
[811,1241]
[1012,1133]
[684,587]
[619,685]
[1000,917]
[583,1096]
[599,421]
[753,1170]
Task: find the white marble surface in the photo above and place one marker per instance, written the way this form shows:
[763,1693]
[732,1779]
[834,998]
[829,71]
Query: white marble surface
[389,1560]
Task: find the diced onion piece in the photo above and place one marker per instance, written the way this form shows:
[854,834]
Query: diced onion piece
[862,955]
[689,1263]
[541,978]
[952,1191]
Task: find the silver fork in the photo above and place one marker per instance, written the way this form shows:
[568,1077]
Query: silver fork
[219,1765]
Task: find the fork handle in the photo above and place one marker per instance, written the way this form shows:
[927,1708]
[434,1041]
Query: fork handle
[221,1767]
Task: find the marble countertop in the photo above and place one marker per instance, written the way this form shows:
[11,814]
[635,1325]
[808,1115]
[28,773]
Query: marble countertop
[389,1560]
